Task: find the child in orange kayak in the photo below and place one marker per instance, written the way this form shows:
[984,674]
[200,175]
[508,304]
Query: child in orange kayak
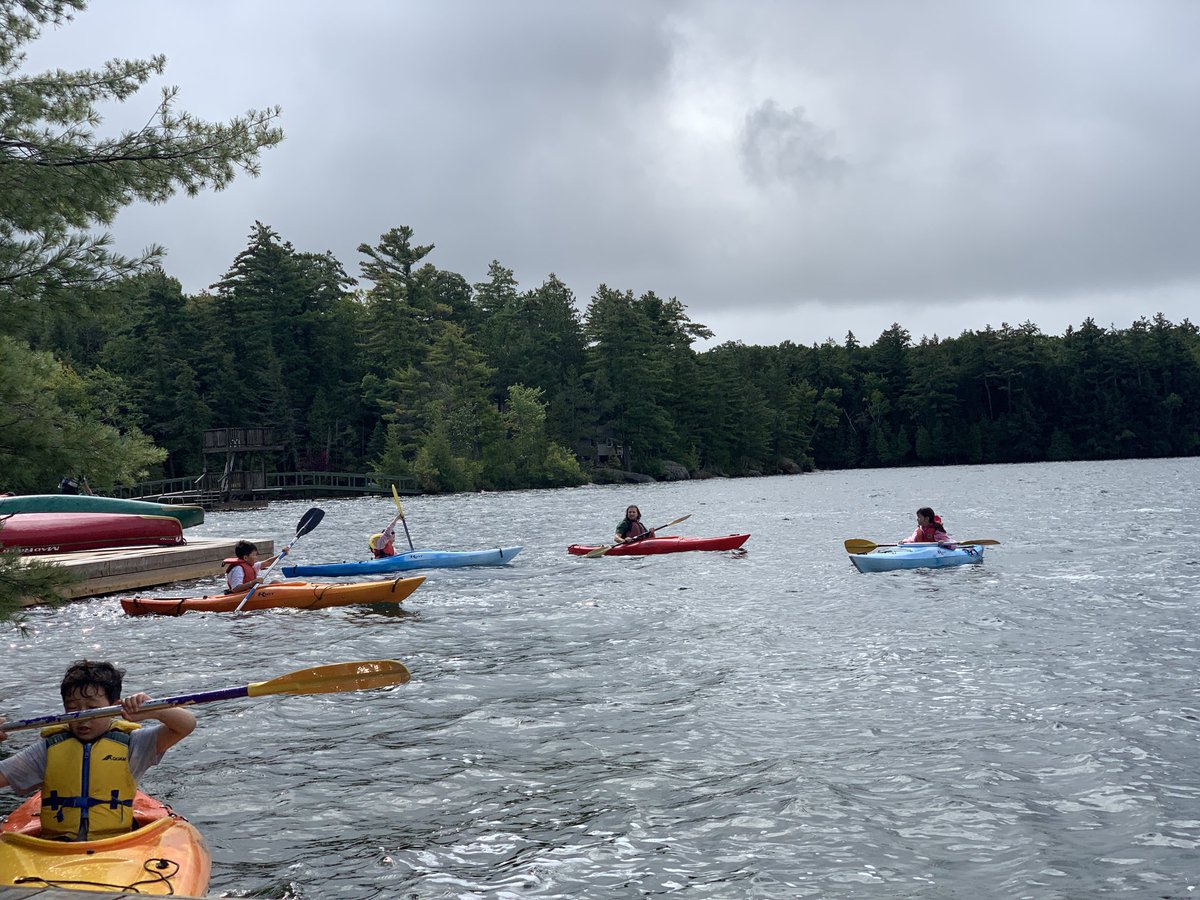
[929,529]
[243,573]
[88,769]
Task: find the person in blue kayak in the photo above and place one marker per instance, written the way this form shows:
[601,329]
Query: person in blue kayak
[930,529]
[383,543]
[631,527]
[88,769]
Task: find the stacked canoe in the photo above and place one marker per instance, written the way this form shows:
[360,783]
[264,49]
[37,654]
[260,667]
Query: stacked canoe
[83,503]
[64,532]
[68,523]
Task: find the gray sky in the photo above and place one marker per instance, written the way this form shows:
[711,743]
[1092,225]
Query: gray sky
[788,170]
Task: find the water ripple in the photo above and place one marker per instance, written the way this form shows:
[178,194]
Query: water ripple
[766,725]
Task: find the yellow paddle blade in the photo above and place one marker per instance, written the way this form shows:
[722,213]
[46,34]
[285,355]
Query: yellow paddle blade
[599,551]
[351,676]
[986,541]
[396,497]
[860,545]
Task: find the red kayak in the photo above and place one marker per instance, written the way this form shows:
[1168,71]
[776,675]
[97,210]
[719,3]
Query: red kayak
[650,546]
[66,532]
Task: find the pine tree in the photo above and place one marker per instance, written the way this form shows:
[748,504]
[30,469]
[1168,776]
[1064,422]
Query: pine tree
[58,181]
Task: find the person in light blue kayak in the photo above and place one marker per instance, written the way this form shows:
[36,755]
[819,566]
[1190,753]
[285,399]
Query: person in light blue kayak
[383,543]
[631,527]
[930,529]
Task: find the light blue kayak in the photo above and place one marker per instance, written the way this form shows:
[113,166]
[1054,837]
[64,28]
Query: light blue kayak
[915,556]
[413,559]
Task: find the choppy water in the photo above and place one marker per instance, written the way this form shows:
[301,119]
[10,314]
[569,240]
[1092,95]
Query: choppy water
[771,725]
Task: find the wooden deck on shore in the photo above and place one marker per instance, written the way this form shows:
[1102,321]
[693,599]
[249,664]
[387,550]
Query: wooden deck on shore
[131,568]
[10,892]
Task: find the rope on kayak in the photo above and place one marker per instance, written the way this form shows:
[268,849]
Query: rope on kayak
[162,870]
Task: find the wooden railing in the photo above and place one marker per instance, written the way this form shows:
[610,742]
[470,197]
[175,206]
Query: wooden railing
[208,487]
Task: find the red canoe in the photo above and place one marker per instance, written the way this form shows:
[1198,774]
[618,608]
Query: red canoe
[65,532]
[650,546]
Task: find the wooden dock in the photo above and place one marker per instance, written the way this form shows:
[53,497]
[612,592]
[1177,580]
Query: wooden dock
[132,568]
[9,892]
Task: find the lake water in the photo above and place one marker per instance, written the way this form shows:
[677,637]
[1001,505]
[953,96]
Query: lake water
[773,724]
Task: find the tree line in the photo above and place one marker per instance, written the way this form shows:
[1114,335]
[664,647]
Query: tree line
[413,370]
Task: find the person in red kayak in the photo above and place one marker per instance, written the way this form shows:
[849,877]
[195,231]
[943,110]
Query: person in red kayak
[88,769]
[929,529]
[631,527]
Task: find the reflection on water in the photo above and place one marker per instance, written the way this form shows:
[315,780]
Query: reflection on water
[771,725]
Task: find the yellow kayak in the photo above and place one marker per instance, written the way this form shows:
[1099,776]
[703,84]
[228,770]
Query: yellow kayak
[163,855]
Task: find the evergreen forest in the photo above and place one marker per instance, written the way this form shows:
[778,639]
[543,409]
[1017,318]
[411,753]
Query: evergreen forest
[390,364]
[410,369]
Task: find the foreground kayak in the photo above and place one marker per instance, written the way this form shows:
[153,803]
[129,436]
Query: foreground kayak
[915,556]
[163,855]
[276,595]
[83,503]
[413,559]
[651,546]
[65,532]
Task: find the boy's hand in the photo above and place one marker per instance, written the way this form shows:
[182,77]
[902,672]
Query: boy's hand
[131,704]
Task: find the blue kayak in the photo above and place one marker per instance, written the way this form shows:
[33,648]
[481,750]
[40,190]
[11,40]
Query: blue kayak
[915,556]
[413,559]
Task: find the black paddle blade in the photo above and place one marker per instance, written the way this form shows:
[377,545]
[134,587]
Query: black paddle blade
[309,521]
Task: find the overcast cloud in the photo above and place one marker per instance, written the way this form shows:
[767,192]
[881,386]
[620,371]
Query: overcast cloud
[788,170]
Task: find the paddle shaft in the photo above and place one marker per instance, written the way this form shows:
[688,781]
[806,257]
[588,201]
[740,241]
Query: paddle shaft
[317,680]
[307,523]
[182,700]
[400,515]
[862,545]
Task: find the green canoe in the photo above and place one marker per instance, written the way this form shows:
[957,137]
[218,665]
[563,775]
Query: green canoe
[83,503]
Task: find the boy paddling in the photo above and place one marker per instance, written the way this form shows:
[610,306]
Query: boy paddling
[88,769]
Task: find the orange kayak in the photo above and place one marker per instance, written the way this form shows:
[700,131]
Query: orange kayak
[164,854]
[277,595]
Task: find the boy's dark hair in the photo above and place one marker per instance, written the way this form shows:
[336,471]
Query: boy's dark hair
[84,674]
[241,548]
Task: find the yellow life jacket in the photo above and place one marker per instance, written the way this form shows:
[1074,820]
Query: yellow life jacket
[87,791]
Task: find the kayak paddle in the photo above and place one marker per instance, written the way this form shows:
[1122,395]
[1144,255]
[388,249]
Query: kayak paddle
[307,523]
[351,676]
[600,551]
[861,545]
[400,514]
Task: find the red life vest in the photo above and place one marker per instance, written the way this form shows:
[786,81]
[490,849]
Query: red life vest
[388,549]
[929,533]
[248,573]
[636,529]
